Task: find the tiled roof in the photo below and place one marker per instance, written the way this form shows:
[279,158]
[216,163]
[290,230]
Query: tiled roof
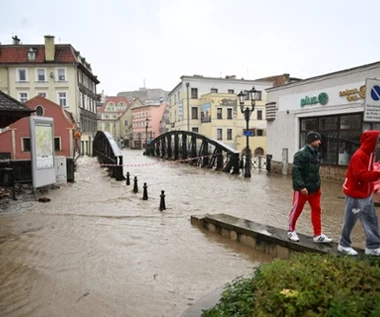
[11,110]
[18,54]
[115,100]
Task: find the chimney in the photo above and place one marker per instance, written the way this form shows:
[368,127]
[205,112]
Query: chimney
[49,48]
[16,40]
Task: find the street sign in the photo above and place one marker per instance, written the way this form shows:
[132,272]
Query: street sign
[372,100]
[248,133]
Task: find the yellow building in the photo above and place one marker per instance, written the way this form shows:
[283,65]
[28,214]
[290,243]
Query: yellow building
[57,72]
[110,115]
[210,106]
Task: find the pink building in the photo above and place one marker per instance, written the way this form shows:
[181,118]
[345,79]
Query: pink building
[16,140]
[146,120]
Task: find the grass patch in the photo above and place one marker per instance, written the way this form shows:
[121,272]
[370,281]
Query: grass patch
[307,285]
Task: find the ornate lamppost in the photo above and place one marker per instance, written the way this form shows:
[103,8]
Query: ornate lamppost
[253,95]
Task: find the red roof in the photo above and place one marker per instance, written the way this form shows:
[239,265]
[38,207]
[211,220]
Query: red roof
[13,54]
[115,100]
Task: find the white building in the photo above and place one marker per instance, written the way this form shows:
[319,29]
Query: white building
[333,105]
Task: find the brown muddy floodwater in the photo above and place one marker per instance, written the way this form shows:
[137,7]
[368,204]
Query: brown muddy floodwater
[98,249]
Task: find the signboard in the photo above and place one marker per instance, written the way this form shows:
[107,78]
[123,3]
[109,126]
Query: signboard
[248,133]
[322,98]
[180,110]
[372,100]
[42,151]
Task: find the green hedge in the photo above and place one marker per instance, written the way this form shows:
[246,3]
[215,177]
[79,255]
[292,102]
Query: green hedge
[306,285]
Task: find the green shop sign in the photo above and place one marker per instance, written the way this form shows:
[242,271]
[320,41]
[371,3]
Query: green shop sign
[322,99]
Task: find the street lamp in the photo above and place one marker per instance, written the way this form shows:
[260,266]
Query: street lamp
[253,95]
[146,134]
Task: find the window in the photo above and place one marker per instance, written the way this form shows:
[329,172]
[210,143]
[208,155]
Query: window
[229,134]
[62,99]
[219,134]
[219,112]
[22,74]
[231,91]
[259,115]
[25,144]
[214,90]
[194,93]
[42,94]
[41,75]
[259,132]
[229,113]
[196,130]
[57,144]
[125,122]
[340,136]
[179,96]
[39,111]
[194,112]
[61,74]
[23,96]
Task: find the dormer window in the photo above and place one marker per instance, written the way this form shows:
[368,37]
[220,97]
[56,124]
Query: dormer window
[31,54]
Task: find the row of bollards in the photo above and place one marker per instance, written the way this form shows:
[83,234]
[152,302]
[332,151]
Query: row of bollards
[145,191]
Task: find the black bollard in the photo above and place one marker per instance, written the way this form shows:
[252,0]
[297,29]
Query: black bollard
[135,187]
[128,181]
[145,194]
[162,201]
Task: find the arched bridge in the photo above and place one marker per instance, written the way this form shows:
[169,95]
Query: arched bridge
[195,149]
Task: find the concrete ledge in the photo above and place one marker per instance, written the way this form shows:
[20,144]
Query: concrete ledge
[266,239]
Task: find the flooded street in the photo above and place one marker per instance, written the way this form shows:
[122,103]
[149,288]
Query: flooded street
[98,249]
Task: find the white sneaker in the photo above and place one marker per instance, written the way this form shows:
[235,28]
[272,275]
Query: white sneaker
[321,239]
[292,236]
[375,252]
[347,250]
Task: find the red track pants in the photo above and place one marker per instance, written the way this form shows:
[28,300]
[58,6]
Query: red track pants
[299,201]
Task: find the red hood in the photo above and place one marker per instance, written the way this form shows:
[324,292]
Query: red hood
[368,140]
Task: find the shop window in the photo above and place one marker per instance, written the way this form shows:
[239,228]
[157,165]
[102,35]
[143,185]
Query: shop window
[340,136]
[309,124]
[328,123]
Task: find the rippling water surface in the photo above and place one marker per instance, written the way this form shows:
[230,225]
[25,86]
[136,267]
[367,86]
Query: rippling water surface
[98,249]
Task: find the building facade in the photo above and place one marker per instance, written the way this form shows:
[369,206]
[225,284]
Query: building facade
[16,140]
[109,117]
[57,72]
[146,119]
[332,104]
[210,106]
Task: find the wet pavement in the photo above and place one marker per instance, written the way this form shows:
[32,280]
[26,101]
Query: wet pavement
[97,249]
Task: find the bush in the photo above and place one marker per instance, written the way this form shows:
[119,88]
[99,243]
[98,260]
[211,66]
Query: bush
[306,285]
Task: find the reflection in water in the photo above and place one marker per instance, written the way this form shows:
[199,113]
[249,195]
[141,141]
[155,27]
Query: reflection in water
[97,249]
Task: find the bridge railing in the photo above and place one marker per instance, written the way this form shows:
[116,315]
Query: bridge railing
[108,153]
[195,149]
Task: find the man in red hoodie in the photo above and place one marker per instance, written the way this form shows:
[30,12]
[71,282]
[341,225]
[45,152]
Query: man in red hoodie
[358,187]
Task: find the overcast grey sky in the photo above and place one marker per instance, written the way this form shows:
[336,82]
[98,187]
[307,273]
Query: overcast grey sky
[128,41]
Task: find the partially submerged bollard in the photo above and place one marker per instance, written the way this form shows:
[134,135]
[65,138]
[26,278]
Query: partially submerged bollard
[128,181]
[145,194]
[162,201]
[135,187]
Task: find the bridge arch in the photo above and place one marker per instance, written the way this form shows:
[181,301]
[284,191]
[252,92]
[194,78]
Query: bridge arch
[195,149]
